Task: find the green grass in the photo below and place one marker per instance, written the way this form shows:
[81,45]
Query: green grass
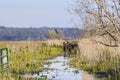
[27,62]
[22,63]
[28,57]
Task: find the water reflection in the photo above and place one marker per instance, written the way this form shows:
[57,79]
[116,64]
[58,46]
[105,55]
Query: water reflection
[60,70]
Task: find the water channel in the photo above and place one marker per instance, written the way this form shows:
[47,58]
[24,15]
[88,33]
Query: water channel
[59,70]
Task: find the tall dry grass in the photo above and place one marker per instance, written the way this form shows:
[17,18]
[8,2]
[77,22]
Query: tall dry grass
[93,51]
[97,57]
[55,42]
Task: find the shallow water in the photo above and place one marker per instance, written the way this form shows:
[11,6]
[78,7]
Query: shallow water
[60,70]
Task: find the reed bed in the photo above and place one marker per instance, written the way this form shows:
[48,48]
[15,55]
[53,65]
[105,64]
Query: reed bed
[97,58]
[28,56]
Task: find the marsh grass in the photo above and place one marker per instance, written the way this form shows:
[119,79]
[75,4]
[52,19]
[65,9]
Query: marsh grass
[28,56]
[99,59]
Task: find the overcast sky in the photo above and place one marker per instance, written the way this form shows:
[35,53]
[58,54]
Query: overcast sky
[35,13]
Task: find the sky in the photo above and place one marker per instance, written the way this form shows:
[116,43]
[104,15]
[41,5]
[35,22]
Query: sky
[35,13]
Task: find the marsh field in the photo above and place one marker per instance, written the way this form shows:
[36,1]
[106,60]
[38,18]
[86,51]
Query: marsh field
[28,57]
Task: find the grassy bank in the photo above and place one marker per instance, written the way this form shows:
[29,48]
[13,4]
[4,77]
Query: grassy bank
[102,60]
[27,57]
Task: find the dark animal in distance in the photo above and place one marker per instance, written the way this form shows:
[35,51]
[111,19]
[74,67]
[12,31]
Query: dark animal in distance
[70,48]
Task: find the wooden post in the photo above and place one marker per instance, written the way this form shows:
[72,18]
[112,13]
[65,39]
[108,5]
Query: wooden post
[1,58]
[4,64]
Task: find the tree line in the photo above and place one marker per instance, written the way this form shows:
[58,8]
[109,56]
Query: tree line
[42,33]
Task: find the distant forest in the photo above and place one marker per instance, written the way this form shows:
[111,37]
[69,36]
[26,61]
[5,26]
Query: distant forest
[36,34]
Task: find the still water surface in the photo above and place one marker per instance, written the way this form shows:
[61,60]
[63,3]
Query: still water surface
[60,70]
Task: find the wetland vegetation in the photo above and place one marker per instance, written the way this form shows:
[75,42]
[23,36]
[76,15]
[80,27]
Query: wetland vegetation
[103,61]
[28,56]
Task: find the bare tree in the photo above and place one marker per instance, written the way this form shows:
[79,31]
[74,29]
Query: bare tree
[102,16]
